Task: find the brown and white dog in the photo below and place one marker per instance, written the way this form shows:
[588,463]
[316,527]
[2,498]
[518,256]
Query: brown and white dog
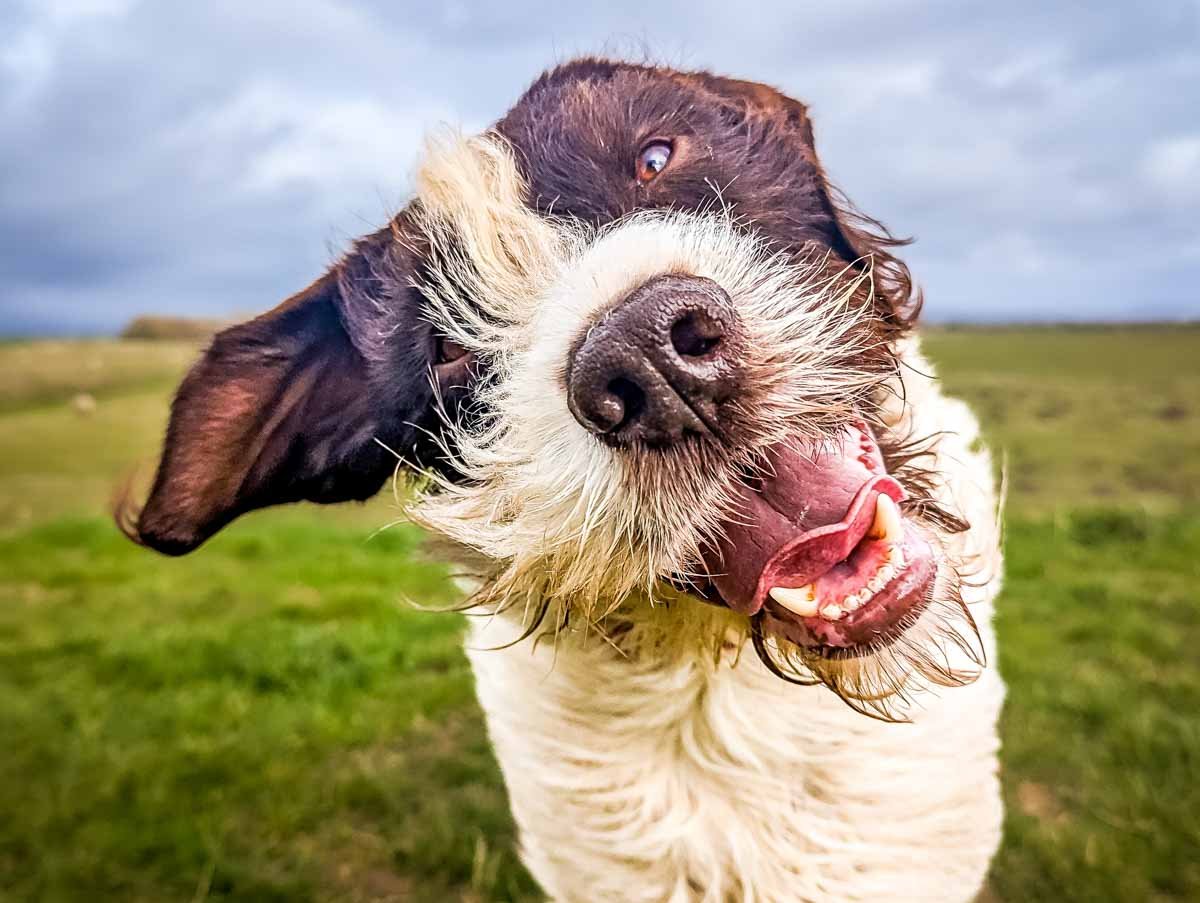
[663,392]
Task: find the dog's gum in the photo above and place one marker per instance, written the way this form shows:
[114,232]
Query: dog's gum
[805,601]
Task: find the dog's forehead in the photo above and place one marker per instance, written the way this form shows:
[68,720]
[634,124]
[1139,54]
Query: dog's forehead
[578,127]
[601,89]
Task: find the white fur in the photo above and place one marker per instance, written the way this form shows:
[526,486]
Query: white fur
[702,781]
[657,770]
[587,523]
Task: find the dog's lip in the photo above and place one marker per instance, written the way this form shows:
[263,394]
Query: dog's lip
[878,620]
[806,524]
[811,554]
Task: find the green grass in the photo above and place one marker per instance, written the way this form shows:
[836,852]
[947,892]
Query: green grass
[253,719]
[266,719]
[52,371]
[1085,417]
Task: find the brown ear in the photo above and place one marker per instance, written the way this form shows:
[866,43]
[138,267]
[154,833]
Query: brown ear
[755,96]
[857,238]
[897,300]
[276,411]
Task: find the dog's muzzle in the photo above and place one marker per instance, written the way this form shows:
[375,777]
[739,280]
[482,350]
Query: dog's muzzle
[659,365]
[817,546]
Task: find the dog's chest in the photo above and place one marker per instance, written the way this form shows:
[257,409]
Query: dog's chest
[702,782]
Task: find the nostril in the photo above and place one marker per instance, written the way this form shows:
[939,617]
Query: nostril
[631,398]
[659,365]
[696,334]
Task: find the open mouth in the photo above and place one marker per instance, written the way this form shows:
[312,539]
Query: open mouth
[819,549]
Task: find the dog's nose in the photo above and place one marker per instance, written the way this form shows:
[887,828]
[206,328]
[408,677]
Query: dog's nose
[658,366]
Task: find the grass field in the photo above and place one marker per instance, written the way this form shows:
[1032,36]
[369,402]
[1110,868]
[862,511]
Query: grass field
[263,721]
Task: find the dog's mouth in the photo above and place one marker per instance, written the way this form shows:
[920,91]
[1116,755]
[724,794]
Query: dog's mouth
[819,550]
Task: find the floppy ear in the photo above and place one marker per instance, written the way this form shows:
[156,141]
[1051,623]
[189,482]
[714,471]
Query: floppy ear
[855,237]
[897,299]
[276,411]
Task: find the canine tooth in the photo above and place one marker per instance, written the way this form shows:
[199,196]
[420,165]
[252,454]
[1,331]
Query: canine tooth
[801,601]
[831,612]
[887,523]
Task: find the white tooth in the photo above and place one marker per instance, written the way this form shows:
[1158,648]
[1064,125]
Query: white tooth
[831,612]
[887,524]
[801,601]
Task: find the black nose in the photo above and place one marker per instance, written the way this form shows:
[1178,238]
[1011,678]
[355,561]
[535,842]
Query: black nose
[659,364]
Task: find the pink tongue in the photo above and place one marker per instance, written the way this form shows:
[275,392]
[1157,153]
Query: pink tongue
[814,504]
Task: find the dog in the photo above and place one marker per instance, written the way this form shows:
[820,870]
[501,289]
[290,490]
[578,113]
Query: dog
[656,387]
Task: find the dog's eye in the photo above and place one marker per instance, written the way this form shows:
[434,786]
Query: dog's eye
[448,350]
[653,159]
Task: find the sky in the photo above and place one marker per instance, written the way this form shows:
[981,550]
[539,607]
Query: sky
[212,158]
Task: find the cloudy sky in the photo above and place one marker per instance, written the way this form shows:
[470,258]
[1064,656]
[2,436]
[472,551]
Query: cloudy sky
[209,158]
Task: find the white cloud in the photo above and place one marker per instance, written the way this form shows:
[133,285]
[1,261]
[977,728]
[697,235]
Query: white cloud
[275,137]
[1015,251]
[203,155]
[1039,67]
[33,49]
[63,12]
[1172,167]
[29,56]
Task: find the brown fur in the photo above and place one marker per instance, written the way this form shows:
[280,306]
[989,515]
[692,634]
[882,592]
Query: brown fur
[316,398]
[360,332]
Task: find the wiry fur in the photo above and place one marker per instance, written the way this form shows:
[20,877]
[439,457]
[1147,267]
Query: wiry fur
[648,754]
[655,746]
[565,526]
[562,511]
[639,777]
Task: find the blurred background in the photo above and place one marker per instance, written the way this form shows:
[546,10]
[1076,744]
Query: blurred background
[266,720]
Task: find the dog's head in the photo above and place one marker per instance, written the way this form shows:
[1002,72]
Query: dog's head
[642,353]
